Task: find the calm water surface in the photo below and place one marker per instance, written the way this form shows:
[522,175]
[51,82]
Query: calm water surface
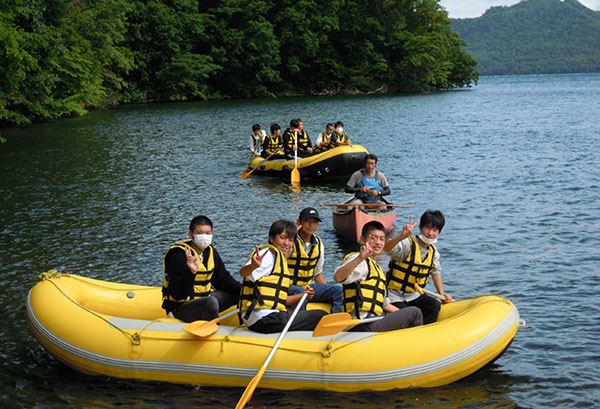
[513,163]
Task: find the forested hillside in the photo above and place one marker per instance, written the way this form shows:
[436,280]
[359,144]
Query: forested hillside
[534,37]
[63,57]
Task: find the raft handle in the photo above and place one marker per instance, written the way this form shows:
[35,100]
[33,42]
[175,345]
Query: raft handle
[521,324]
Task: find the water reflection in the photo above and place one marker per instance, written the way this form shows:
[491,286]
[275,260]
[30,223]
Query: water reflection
[513,165]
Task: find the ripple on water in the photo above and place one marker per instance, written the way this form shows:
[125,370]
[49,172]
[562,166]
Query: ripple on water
[518,180]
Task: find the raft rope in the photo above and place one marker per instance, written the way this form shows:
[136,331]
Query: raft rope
[51,275]
[137,337]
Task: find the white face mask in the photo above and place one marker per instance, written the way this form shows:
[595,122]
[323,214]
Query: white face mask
[427,240]
[339,130]
[202,240]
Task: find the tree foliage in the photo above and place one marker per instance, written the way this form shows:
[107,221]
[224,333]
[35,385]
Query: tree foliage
[62,57]
[534,37]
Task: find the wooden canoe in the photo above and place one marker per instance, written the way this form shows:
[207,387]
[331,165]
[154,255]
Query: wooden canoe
[349,221]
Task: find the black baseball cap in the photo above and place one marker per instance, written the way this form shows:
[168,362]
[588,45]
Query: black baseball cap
[309,213]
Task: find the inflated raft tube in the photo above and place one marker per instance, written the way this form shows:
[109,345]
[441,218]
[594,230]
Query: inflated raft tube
[119,330]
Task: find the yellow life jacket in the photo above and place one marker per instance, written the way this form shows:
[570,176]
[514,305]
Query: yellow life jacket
[269,292]
[202,286]
[335,138]
[271,143]
[324,138]
[302,266]
[403,275]
[302,141]
[367,295]
[341,137]
[256,141]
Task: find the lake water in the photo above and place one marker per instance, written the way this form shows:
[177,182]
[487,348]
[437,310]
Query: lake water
[514,164]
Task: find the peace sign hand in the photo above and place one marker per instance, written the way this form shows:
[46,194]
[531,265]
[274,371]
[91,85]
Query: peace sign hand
[365,251]
[407,229]
[191,261]
[257,258]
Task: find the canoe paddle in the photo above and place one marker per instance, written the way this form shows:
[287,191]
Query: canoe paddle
[334,323]
[254,382]
[295,177]
[201,328]
[421,291]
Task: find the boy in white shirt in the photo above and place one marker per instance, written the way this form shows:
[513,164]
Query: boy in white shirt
[264,298]
[414,260]
[365,291]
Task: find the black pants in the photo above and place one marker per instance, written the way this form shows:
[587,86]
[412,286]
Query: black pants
[275,322]
[205,308]
[429,306]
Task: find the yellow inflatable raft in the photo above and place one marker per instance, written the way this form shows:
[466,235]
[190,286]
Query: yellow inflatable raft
[342,160]
[119,330]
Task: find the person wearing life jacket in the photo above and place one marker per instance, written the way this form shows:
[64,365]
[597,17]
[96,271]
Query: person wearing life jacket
[305,263]
[365,292]
[192,268]
[414,260]
[323,139]
[256,139]
[340,134]
[368,184]
[296,129]
[264,296]
[273,144]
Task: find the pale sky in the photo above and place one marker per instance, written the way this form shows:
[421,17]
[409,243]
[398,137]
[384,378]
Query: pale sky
[475,8]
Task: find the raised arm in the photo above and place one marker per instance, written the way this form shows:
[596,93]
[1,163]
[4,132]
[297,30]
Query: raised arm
[255,262]
[346,269]
[407,230]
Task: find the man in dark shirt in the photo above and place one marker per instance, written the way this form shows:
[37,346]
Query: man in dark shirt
[296,130]
[192,268]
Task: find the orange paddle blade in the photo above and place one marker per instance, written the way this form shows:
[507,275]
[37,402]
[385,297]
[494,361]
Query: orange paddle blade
[246,173]
[295,176]
[333,323]
[202,328]
[250,388]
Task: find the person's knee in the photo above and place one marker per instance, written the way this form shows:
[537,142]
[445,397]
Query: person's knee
[209,308]
[416,316]
[294,289]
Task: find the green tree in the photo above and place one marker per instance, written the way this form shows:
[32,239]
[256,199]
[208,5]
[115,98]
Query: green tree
[58,55]
[15,63]
[243,43]
[421,51]
[165,41]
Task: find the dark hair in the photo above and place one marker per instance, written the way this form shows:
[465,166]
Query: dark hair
[433,218]
[370,226]
[339,123]
[329,125]
[281,226]
[255,127]
[274,127]
[200,221]
[370,156]
[294,123]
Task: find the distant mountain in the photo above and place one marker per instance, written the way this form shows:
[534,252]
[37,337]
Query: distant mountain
[533,37]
